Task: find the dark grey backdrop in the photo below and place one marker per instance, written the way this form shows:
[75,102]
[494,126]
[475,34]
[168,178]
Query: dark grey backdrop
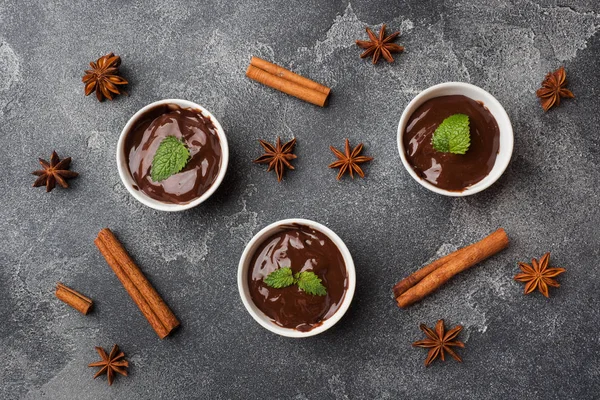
[516,346]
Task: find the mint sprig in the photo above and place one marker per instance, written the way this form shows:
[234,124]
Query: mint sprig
[453,135]
[307,281]
[170,158]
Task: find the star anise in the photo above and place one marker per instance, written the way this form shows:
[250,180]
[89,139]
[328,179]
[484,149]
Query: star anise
[348,161]
[115,362]
[380,46]
[278,157]
[104,77]
[553,88]
[440,341]
[53,172]
[539,275]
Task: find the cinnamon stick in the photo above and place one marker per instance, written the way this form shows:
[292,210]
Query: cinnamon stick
[287,82]
[431,277]
[281,72]
[418,275]
[156,311]
[73,298]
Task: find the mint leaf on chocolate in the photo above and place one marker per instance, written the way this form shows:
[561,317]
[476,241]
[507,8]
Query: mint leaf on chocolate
[280,278]
[453,135]
[310,283]
[307,281]
[169,159]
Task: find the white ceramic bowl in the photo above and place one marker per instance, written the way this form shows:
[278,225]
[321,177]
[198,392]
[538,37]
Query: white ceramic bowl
[244,265]
[495,108]
[128,181]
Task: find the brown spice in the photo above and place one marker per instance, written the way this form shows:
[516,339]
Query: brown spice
[440,341]
[278,157]
[428,279]
[287,82]
[380,46]
[538,275]
[73,298]
[104,77]
[55,171]
[111,363]
[156,311]
[349,160]
[553,88]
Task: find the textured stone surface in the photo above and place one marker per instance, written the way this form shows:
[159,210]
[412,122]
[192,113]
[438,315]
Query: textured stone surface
[516,346]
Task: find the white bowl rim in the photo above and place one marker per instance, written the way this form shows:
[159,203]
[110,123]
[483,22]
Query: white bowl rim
[125,174]
[499,113]
[263,319]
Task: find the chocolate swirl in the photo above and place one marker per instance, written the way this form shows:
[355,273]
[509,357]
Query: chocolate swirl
[303,249]
[200,136]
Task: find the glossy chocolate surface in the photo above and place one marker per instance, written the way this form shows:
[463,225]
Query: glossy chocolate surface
[303,249]
[200,136]
[446,170]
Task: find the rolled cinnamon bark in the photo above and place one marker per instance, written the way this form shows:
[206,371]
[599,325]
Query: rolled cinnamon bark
[431,277]
[158,314]
[418,275]
[292,88]
[281,72]
[73,298]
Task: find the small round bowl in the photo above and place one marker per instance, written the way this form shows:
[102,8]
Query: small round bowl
[142,197]
[244,265]
[495,108]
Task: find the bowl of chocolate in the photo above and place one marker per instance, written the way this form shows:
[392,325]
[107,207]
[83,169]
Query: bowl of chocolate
[455,139]
[172,155]
[296,278]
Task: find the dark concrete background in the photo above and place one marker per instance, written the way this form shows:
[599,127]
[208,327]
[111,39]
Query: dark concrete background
[516,346]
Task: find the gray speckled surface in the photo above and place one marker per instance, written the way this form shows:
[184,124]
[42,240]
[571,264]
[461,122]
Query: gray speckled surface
[516,346]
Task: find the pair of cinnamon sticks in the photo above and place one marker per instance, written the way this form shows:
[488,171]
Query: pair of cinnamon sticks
[288,82]
[431,277]
[156,311]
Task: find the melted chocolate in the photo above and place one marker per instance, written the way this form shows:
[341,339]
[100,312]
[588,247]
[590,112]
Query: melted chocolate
[302,249]
[446,170]
[199,135]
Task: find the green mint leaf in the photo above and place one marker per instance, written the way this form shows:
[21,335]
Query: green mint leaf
[280,278]
[453,135]
[307,281]
[170,158]
[310,283]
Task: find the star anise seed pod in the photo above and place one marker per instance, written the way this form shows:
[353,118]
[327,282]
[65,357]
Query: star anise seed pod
[538,275]
[278,157]
[380,46]
[111,364]
[553,88]
[440,341]
[104,77]
[55,171]
[349,160]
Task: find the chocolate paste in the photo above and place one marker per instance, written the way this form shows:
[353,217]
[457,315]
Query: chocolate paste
[446,170]
[199,135]
[302,249]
